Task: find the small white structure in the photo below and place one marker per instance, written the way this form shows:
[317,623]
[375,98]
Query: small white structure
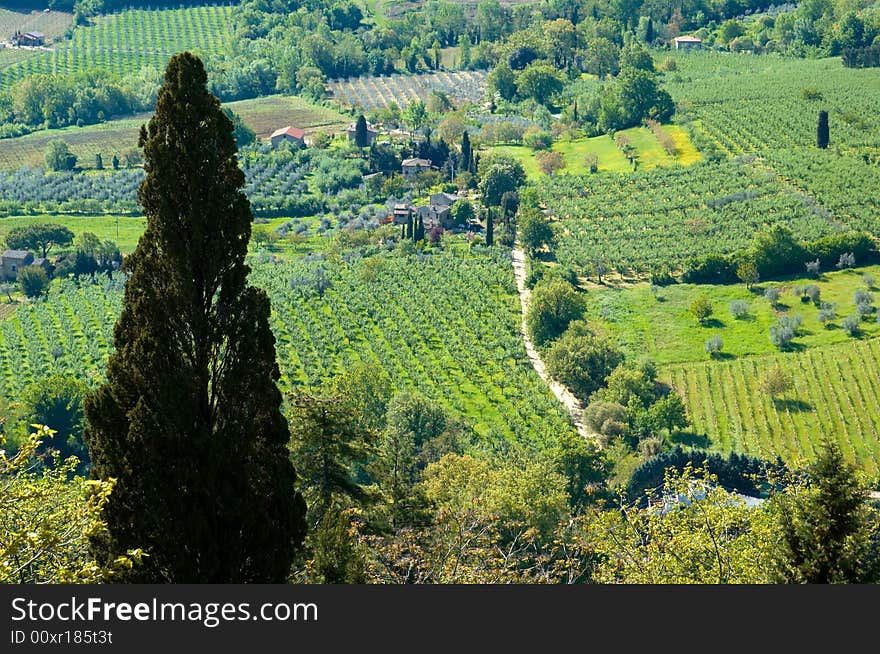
[688,42]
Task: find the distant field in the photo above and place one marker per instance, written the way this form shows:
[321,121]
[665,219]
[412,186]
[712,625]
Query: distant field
[662,327]
[836,394]
[104,227]
[130,40]
[117,137]
[377,92]
[52,23]
[609,156]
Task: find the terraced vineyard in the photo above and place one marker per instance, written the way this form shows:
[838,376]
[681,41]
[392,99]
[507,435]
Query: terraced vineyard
[446,325]
[836,394]
[378,92]
[130,40]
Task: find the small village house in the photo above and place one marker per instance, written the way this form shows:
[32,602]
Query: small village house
[372,133]
[688,43]
[11,261]
[29,39]
[402,213]
[288,134]
[412,167]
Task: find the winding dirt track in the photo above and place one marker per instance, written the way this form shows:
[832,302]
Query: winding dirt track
[569,401]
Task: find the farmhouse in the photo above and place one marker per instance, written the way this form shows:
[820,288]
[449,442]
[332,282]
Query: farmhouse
[688,43]
[434,216]
[411,167]
[11,261]
[402,213]
[372,133]
[29,38]
[443,199]
[288,134]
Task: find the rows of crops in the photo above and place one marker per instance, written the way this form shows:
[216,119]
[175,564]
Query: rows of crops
[836,394]
[667,215]
[269,185]
[379,92]
[746,103]
[445,325]
[128,41]
[52,23]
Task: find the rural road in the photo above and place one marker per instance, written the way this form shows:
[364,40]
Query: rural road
[569,401]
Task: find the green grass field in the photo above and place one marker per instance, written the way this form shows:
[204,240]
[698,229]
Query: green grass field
[104,227]
[663,328]
[610,158]
[116,137]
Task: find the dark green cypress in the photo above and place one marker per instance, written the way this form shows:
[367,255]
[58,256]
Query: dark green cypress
[189,421]
[489,228]
[822,137]
[361,136]
[466,155]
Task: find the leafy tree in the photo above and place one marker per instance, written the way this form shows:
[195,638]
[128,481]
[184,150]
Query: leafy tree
[701,308]
[189,420]
[776,250]
[668,413]
[498,176]
[115,162]
[99,162]
[776,381]
[539,81]
[550,162]
[39,236]
[602,58]
[636,58]
[829,532]
[822,138]
[47,516]
[714,345]
[461,212]
[503,81]
[59,156]
[553,305]
[33,281]
[328,442]
[747,272]
[582,362]
[57,400]
[534,231]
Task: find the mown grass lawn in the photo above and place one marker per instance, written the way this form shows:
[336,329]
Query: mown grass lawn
[104,227]
[663,329]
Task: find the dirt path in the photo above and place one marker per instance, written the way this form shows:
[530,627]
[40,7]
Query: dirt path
[569,401]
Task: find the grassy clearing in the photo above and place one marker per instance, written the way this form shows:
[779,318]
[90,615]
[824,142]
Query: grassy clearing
[836,394]
[611,159]
[116,137]
[662,328]
[104,227]
[687,153]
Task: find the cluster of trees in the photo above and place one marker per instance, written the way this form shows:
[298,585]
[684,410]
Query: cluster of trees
[83,98]
[776,252]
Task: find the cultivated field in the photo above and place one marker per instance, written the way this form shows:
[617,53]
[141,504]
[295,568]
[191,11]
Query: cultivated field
[444,325]
[117,137]
[130,40]
[52,23]
[378,92]
[836,394]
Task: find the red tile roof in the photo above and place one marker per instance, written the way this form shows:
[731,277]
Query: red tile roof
[295,132]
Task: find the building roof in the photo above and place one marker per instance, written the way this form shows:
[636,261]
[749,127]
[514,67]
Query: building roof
[688,38]
[295,132]
[425,163]
[16,254]
[402,207]
[35,35]
[444,199]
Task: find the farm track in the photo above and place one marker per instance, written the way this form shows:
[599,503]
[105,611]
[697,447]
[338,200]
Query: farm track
[565,396]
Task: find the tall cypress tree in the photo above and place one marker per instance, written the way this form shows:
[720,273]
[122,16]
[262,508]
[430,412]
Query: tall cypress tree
[466,158]
[490,238]
[361,136]
[822,137]
[189,421]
